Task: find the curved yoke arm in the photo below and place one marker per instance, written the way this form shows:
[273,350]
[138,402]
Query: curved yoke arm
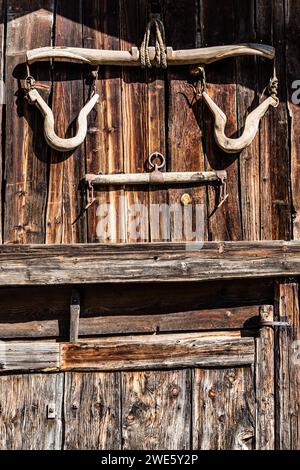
[251,125]
[56,142]
[205,55]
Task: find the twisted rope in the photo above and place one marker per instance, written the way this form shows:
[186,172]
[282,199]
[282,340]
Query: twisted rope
[273,87]
[160,45]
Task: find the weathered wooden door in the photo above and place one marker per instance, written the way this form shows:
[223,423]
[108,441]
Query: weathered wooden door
[184,377]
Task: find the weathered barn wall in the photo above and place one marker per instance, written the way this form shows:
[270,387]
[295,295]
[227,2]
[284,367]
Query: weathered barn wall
[142,111]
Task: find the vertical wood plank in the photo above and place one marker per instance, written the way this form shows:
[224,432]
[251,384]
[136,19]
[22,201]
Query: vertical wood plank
[264,384]
[274,138]
[156,410]
[223,409]
[26,150]
[292,15]
[104,146]
[24,402]
[2,102]
[156,142]
[287,370]
[66,169]
[92,411]
[225,222]
[185,150]
[133,15]
[247,100]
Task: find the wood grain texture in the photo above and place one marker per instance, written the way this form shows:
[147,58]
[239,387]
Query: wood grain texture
[185,151]
[292,15]
[156,410]
[247,98]
[159,227]
[25,400]
[26,151]
[86,264]
[274,139]
[65,223]
[200,320]
[132,57]
[134,109]
[74,315]
[39,312]
[264,384]
[92,411]
[104,144]
[96,325]
[223,409]
[28,356]
[224,222]
[158,351]
[287,376]
[2,103]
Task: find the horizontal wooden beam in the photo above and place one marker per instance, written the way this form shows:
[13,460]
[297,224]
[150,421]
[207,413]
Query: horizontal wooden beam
[156,178]
[130,353]
[138,323]
[29,356]
[157,351]
[205,55]
[153,262]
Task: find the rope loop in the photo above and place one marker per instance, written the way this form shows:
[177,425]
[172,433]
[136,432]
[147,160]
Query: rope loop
[273,87]
[160,44]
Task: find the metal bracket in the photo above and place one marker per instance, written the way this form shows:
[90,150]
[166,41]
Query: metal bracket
[275,324]
[222,175]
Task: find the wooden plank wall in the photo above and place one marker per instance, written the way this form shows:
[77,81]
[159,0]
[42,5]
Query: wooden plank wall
[154,410]
[143,111]
[41,202]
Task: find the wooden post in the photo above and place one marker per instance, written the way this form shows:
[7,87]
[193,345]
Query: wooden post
[74,316]
[287,376]
[264,382]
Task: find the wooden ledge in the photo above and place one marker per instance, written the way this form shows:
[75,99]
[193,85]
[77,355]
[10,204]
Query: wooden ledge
[22,265]
[130,353]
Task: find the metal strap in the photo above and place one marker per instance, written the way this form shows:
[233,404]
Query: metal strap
[275,324]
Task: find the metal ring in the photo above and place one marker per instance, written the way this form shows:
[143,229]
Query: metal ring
[30,81]
[153,157]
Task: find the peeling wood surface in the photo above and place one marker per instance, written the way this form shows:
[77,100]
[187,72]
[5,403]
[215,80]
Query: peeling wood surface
[83,264]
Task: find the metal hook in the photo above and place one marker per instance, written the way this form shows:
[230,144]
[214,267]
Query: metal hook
[90,196]
[222,175]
